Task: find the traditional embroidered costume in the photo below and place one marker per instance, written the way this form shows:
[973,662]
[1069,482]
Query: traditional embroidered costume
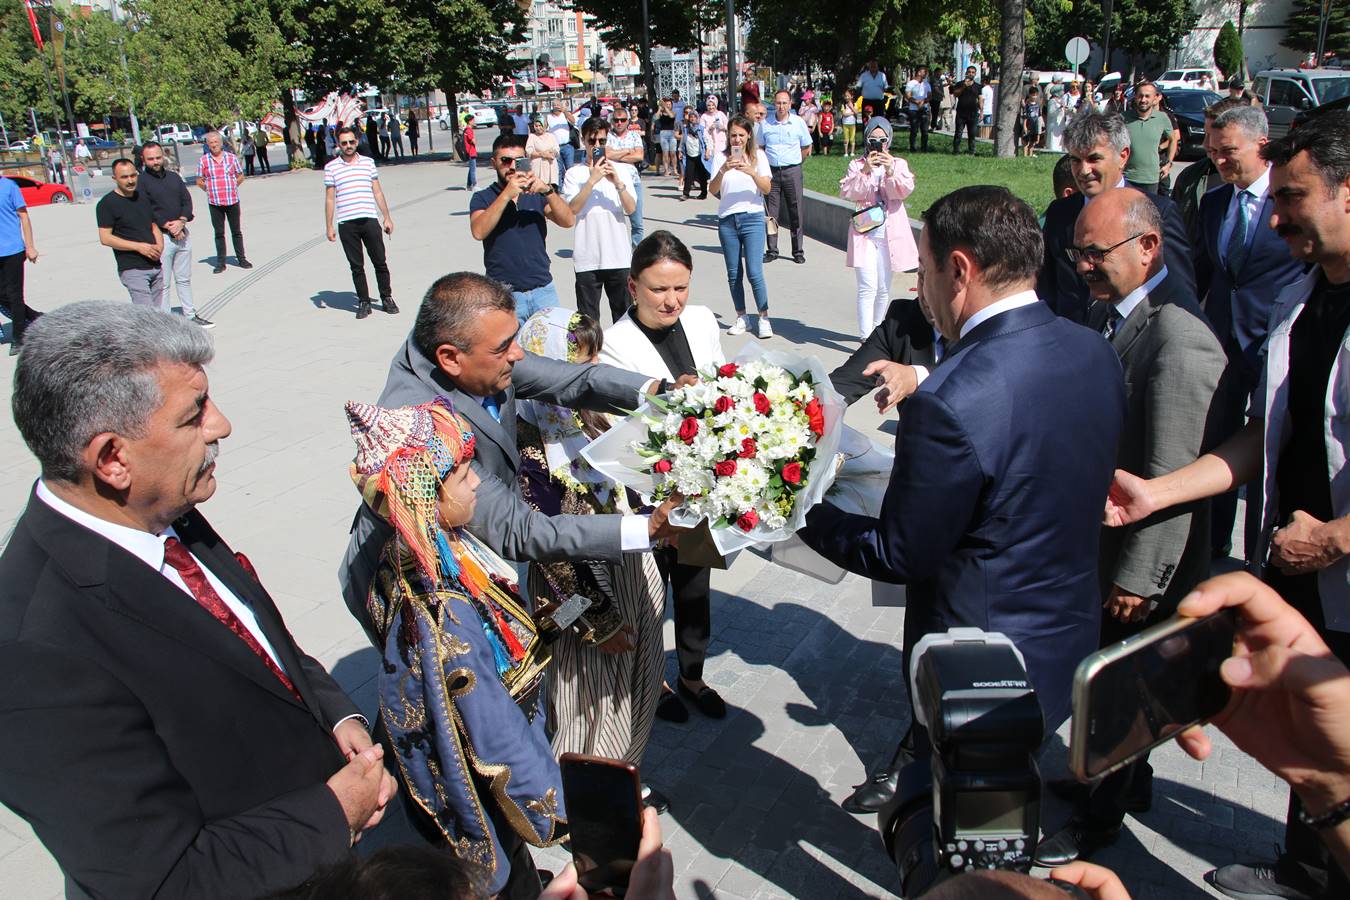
[463,661]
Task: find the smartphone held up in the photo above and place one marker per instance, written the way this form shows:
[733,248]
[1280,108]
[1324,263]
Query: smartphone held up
[604,813]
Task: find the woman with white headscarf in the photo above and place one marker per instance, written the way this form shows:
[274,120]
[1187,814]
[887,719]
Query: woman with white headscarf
[605,678]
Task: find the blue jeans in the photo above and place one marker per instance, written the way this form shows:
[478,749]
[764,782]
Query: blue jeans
[530,302]
[568,155]
[742,236]
[472,183]
[636,218]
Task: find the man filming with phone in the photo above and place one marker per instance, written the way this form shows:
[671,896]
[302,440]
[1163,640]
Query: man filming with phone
[510,217]
[602,194]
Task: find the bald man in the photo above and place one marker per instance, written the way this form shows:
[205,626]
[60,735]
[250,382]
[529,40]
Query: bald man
[1173,367]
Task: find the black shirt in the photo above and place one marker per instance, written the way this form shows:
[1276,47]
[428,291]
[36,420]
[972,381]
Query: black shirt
[168,195]
[968,101]
[665,123]
[130,219]
[671,345]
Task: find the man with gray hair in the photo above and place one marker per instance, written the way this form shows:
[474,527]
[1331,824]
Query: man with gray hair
[1099,147]
[1173,368]
[166,736]
[1242,266]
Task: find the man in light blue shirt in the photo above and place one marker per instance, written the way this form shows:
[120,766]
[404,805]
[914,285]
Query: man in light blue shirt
[16,248]
[786,141]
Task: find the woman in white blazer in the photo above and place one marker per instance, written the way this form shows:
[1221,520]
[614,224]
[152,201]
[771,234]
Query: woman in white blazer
[661,336]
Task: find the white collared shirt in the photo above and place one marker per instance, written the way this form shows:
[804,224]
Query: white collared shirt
[1134,297]
[149,549]
[1252,196]
[998,308]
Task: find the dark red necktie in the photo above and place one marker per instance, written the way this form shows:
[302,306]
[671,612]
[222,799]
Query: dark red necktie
[176,555]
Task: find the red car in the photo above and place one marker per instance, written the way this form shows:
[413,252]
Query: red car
[40,193]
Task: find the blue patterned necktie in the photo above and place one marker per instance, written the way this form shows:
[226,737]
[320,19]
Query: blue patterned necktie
[1235,254]
[490,404]
[1112,323]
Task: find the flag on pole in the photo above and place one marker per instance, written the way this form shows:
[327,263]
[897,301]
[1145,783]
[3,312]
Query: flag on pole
[32,21]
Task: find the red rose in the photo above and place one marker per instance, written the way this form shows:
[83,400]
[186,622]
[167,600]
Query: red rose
[761,404]
[723,404]
[661,465]
[792,473]
[815,417]
[747,520]
[748,449]
[725,469]
[728,370]
[689,429]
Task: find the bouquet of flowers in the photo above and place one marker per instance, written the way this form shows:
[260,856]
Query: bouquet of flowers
[751,447]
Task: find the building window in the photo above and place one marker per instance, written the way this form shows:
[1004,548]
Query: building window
[571,23]
[554,26]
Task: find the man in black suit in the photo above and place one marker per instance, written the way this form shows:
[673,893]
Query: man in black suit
[1100,147]
[167,738]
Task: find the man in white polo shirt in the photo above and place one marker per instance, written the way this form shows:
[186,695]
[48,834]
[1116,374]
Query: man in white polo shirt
[352,194]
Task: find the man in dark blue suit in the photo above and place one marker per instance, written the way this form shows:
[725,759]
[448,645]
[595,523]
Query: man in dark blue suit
[1003,455]
[1099,147]
[1242,265]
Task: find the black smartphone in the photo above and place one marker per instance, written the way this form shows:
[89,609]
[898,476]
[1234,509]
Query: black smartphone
[523,164]
[1143,691]
[597,154]
[604,816]
[876,145]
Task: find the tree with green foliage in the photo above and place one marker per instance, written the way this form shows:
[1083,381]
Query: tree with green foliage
[1151,28]
[22,85]
[1228,51]
[1303,23]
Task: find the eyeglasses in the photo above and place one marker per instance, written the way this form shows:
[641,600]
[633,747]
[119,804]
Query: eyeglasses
[510,160]
[346,143]
[620,121]
[1095,256]
[598,142]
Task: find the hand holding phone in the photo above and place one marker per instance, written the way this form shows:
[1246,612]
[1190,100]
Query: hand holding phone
[604,814]
[523,165]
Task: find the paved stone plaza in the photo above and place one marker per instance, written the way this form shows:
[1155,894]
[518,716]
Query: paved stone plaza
[811,671]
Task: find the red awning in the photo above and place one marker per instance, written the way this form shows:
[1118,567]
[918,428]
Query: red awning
[553,84]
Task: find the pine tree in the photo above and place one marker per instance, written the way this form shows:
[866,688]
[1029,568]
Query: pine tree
[1303,21]
[1228,51]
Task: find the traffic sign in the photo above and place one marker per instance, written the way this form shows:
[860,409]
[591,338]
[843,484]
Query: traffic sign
[1076,50]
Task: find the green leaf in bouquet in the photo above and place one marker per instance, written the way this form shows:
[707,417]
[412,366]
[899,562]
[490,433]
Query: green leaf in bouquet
[658,402]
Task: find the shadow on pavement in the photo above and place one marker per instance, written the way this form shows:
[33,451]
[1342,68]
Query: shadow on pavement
[801,333]
[344,301]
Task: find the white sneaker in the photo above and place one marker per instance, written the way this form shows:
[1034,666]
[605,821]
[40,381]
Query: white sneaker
[765,329]
[737,327]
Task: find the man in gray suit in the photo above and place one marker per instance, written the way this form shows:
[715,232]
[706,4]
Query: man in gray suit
[1174,367]
[463,347]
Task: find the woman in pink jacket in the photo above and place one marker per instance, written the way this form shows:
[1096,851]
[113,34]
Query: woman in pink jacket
[879,239]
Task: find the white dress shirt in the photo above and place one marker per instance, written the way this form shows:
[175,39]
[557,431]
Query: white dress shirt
[1252,197]
[998,308]
[1136,296]
[149,549]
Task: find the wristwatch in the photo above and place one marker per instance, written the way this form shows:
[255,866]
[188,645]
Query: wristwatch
[551,190]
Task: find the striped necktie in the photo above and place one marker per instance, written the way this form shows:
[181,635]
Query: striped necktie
[1235,254]
[1112,323]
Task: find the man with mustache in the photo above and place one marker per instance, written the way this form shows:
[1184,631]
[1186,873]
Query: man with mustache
[1099,146]
[166,736]
[1173,366]
[1298,441]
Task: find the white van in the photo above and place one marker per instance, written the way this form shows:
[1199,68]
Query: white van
[1187,78]
[174,134]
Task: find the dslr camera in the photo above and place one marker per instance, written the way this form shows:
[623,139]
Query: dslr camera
[974,802]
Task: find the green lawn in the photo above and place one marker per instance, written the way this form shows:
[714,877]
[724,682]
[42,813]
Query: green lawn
[938,172]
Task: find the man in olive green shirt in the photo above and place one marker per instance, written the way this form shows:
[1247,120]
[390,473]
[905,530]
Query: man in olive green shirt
[1150,132]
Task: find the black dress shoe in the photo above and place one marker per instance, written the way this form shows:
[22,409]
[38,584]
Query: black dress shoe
[873,794]
[706,700]
[389,305]
[1284,880]
[363,309]
[770,256]
[671,709]
[799,258]
[655,799]
[1074,841]
[245,264]
[219,267]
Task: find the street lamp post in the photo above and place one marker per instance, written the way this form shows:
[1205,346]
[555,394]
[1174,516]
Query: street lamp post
[126,73]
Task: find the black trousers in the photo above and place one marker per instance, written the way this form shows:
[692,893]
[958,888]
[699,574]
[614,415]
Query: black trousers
[262,160]
[918,124]
[412,143]
[968,123]
[248,164]
[691,593]
[695,173]
[355,233]
[614,282]
[11,292]
[219,216]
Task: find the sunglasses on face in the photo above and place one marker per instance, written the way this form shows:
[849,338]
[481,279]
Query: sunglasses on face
[346,143]
[510,160]
[598,142]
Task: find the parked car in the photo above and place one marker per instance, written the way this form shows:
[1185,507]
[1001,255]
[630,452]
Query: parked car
[175,134]
[1287,92]
[40,193]
[1186,78]
[93,143]
[1188,106]
[19,146]
[483,116]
